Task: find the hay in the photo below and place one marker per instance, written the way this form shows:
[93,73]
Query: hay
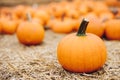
[20,62]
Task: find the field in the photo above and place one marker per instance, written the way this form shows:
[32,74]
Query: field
[39,62]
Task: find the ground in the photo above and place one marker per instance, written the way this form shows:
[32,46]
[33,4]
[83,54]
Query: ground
[39,62]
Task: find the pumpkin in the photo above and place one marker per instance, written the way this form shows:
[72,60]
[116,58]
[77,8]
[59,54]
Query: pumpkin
[38,20]
[58,11]
[43,15]
[86,6]
[112,29]
[8,26]
[95,26]
[0,28]
[62,26]
[72,13]
[106,16]
[111,2]
[19,10]
[11,16]
[100,7]
[51,22]
[81,52]
[5,10]
[83,9]
[30,32]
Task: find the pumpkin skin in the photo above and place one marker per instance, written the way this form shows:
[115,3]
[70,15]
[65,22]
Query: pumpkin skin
[38,20]
[30,33]
[112,29]
[100,7]
[51,22]
[58,11]
[111,2]
[19,10]
[43,15]
[82,53]
[0,28]
[65,26]
[9,27]
[95,26]
[72,13]
[106,16]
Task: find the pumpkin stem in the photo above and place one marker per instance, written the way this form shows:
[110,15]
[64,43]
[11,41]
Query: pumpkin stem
[29,18]
[82,28]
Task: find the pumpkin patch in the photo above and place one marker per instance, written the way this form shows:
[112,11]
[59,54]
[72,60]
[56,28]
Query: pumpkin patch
[59,39]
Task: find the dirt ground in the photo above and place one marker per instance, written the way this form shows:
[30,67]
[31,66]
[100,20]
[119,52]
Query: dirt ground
[20,62]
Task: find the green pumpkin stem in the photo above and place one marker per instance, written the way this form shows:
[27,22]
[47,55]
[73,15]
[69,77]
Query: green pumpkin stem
[29,18]
[82,28]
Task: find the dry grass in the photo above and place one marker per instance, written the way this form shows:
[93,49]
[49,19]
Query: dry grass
[20,62]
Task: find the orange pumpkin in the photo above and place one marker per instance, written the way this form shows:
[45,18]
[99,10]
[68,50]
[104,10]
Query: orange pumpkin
[83,9]
[19,10]
[5,10]
[58,11]
[111,2]
[39,21]
[11,16]
[112,29]
[8,26]
[81,52]
[106,16]
[72,13]
[0,28]
[43,15]
[65,26]
[100,7]
[95,26]
[30,33]
[51,22]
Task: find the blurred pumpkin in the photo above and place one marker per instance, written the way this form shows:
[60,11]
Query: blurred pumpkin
[111,2]
[95,26]
[81,52]
[38,21]
[8,26]
[63,26]
[0,27]
[51,22]
[30,32]
[106,16]
[83,9]
[43,15]
[11,16]
[100,7]
[72,13]
[58,11]
[112,29]
[19,10]
[5,10]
